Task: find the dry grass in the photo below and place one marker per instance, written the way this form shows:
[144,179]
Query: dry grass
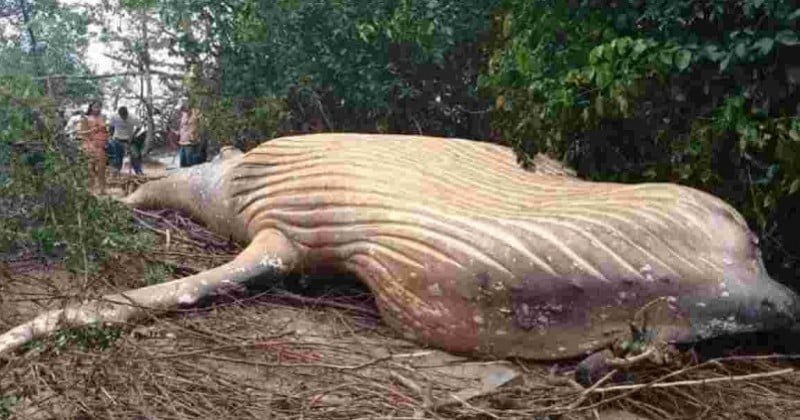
[283,356]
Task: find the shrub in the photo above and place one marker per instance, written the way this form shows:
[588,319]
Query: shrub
[702,93]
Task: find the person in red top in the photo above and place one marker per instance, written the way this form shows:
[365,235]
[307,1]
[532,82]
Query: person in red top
[189,139]
[94,137]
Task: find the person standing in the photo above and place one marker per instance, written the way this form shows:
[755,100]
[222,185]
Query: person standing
[124,126]
[71,128]
[188,142]
[94,138]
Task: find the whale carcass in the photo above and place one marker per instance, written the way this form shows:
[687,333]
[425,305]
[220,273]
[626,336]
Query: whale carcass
[463,249]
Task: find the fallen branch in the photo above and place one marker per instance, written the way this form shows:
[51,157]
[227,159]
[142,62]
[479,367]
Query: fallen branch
[658,382]
[472,407]
[591,389]
[631,361]
[189,228]
[696,381]
[165,234]
[296,365]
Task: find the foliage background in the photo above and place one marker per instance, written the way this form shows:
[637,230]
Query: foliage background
[704,93]
[45,208]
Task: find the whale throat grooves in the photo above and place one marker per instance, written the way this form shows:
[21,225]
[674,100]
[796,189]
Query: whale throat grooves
[444,231]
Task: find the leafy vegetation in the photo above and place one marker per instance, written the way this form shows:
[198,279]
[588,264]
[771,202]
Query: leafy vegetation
[399,66]
[6,403]
[94,336]
[44,204]
[155,273]
[701,93]
[46,38]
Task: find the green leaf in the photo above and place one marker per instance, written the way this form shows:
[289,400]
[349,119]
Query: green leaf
[713,53]
[595,55]
[604,75]
[622,45]
[769,201]
[682,59]
[795,186]
[639,47]
[609,53]
[724,63]
[794,135]
[523,60]
[787,37]
[666,57]
[794,15]
[591,74]
[740,49]
[764,45]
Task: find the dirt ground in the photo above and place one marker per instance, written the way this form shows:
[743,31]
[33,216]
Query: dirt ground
[305,352]
[155,166]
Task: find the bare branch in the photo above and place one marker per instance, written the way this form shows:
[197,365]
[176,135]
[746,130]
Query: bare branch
[107,75]
[135,63]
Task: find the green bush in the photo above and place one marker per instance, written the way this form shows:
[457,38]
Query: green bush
[6,403]
[44,203]
[387,65]
[702,93]
[93,336]
[155,273]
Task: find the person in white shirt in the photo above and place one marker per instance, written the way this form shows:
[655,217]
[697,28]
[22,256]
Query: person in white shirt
[71,128]
[123,126]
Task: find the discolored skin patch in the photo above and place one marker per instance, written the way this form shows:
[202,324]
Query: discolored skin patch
[466,251]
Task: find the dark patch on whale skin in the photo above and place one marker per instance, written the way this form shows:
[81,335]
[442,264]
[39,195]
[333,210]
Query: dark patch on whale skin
[541,302]
[483,280]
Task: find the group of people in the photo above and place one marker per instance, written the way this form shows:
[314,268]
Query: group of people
[106,143]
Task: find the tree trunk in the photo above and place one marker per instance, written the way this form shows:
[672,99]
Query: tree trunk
[37,60]
[148,142]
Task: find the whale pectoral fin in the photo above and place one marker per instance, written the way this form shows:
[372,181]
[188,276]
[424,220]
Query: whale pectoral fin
[270,255]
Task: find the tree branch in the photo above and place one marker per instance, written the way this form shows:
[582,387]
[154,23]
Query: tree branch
[107,75]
